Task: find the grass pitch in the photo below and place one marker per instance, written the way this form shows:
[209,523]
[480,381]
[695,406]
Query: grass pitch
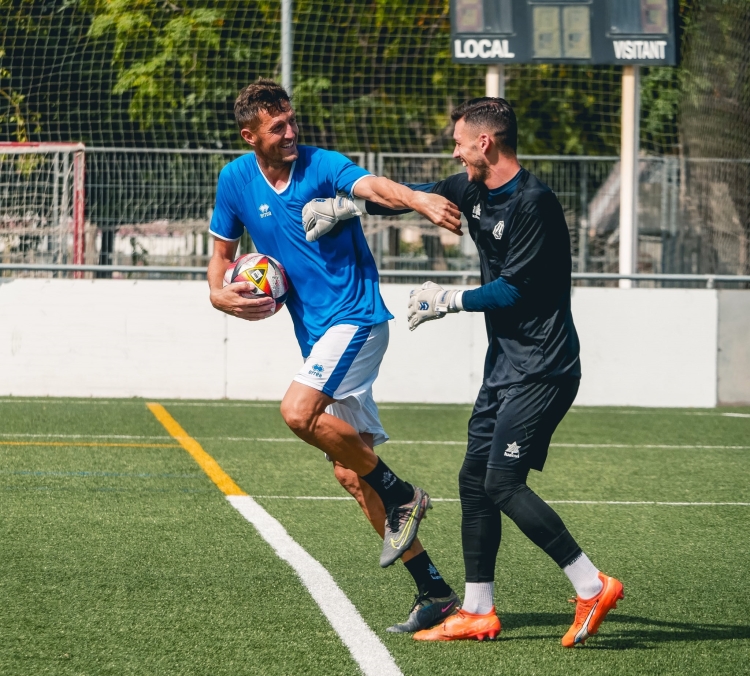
[119,556]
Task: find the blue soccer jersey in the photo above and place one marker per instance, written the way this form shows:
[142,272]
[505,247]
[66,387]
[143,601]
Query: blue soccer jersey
[334,280]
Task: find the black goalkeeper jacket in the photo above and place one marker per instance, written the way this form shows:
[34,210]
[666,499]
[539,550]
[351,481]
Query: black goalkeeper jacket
[522,237]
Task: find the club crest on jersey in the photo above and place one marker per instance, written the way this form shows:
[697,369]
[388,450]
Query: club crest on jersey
[264,210]
[476,212]
[497,231]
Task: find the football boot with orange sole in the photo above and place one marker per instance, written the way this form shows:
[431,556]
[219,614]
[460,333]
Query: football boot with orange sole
[591,612]
[463,625]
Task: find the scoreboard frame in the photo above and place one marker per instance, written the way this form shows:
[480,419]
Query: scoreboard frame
[594,32]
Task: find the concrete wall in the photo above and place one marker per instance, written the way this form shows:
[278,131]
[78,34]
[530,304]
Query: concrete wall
[734,347]
[640,347]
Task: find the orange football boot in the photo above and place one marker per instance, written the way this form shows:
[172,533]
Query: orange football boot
[591,612]
[463,625]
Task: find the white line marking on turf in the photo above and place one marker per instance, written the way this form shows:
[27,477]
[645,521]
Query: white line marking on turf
[364,645]
[395,442]
[433,442]
[551,502]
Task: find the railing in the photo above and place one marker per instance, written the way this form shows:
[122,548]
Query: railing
[463,277]
[152,207]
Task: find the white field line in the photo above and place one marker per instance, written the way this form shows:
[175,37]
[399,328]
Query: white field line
[393,442]
[660,503]
[427,442]
[363,644]
[384,407]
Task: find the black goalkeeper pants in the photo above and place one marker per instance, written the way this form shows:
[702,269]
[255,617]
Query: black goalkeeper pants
[509,433]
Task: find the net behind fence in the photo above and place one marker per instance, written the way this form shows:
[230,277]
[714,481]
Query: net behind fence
[369,75]
[41,203]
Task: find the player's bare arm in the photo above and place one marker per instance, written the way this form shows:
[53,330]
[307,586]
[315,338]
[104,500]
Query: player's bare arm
[435,208]
[228,298]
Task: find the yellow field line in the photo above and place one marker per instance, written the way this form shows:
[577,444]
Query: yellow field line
[206,462]
[68,443]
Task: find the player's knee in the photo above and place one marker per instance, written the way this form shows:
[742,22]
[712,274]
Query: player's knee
[298,417]
[471,480]
[502,485]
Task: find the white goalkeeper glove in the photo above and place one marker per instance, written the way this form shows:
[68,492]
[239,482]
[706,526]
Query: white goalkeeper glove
[320,215]
[432,301]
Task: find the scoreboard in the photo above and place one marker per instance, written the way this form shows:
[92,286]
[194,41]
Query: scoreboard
[625,32]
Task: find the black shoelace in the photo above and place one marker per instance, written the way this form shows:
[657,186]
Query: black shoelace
[394,517]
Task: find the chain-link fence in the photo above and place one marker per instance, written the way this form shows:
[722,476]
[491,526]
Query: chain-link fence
[374,77]
[153,207]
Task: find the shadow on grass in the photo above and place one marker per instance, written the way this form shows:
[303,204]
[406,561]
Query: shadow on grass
[620,631]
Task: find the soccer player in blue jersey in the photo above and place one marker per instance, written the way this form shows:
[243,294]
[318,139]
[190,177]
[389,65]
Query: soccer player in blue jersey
[340,320]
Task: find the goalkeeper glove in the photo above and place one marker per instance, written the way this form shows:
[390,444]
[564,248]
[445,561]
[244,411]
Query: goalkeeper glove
[320,215]
[432,301]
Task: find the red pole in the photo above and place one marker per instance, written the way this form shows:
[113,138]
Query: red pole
[79,211]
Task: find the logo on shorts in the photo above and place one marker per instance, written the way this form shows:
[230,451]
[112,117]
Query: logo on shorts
[512,450]
[389,478]
[264,210]
[497,231]
[316,370]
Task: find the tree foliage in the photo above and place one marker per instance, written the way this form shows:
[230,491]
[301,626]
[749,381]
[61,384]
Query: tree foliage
[372,75]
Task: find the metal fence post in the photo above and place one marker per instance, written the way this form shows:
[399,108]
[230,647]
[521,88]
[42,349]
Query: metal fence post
[583,219]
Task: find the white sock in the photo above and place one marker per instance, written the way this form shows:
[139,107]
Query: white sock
[584,576]
[479,598]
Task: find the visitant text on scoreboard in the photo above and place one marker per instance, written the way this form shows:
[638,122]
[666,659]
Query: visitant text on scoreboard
[625,32]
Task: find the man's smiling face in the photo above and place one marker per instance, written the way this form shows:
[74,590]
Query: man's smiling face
[274,137]
[468,151]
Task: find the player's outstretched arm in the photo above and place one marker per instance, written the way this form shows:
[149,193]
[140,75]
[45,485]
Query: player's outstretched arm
[435,208]
[432,301]
[228,298]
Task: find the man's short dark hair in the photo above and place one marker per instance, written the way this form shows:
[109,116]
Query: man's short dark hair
[492,115]
[261,95]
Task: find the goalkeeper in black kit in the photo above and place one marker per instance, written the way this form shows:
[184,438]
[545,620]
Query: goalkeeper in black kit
[532,368]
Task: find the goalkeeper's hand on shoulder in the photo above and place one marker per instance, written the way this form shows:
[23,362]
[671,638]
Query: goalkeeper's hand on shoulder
[320,216]
[432,301]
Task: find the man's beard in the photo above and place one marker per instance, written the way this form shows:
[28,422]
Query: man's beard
[480,171]
[271,157]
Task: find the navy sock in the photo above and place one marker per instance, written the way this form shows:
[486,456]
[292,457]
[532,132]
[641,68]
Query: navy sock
[392,490]
[427,578]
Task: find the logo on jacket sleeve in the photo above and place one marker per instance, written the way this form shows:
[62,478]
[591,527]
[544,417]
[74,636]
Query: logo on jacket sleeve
[476,212]
[264,211]
[497,231]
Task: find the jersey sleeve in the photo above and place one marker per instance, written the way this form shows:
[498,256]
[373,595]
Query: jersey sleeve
[529,240]
[225,224]
[342,173]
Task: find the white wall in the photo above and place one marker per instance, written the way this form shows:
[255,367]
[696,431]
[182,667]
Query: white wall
[647,347]
[118,338]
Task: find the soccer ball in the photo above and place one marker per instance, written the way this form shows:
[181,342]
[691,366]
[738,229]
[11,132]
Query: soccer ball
[265,274]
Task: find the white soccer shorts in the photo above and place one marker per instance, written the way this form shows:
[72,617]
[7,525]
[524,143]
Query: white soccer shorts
[344,364]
